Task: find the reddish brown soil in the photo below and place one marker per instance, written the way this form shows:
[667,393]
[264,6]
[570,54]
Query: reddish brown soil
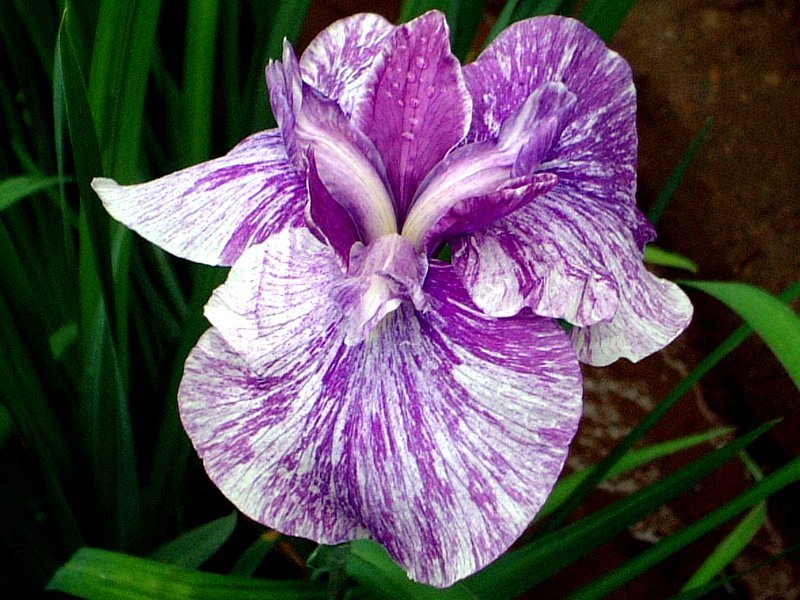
[737,214]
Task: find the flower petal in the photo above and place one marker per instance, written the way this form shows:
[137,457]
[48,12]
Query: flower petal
[347,162]
[211,212]
[337,62]
[440,436]
[565,259]
[416,106]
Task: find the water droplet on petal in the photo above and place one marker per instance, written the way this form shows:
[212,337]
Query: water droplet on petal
[413,121]
[389,94]
[431,91]
[400,103]
[411,76]
[421,62]
[407,135]
[395,85]
[414,102]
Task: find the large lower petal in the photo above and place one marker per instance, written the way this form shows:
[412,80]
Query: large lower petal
[338,61]
[211,212]
[416,106]
[567,259]
[440,436]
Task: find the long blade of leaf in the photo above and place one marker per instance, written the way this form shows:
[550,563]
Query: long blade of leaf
[660,205]
[786,475]
[96,574]
[632,460]
[776,323]
[729,548]
[14,189]
[605,16]
[198,545]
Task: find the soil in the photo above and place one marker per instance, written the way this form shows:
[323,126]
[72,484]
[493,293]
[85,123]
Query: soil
[737,215]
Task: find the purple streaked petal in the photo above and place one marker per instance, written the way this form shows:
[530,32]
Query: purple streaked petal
[536,51]
[566,258]
[347,162]
[338,61]
[470,215]
[440,436]
[597,146]
[652,312]
[326,218]
[416,106]
[211,212]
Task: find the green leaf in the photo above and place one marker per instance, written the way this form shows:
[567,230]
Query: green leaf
[660,205]
[104,417]
[198,85]
[96,574]
[777,324]
[6,425]
[729,548]
[121,59]
[549,553]
[503,21]
[605,16]
[195,547]
[14,189]
[786,475]
[658,256]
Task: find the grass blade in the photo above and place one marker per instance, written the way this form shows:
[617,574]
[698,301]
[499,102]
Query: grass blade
[729,548]
[659,207]
[198,545]
[14,189]
[105,416]
[198,85]
[102,575]
[776,323]
[370,564]
[658,256]
[632,460]
[786,475]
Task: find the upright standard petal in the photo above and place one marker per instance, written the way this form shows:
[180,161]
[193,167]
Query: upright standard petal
[211,212]
[576,253]
[440,435]
[338,61]
[416,105]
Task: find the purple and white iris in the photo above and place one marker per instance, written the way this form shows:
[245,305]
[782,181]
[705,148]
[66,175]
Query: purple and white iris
[354,386]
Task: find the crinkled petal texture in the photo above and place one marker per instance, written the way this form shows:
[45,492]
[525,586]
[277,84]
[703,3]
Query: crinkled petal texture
[576,252]
[211,212]
[440,435]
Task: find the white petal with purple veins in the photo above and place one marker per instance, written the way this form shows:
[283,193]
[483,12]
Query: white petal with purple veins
[440,435]
[211,212]
[338,61]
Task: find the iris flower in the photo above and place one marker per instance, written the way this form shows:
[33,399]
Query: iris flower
[352,385]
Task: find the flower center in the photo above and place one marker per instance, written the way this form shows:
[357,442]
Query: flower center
[380,277]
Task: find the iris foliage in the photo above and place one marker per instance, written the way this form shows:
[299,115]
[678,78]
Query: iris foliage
[100,485]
